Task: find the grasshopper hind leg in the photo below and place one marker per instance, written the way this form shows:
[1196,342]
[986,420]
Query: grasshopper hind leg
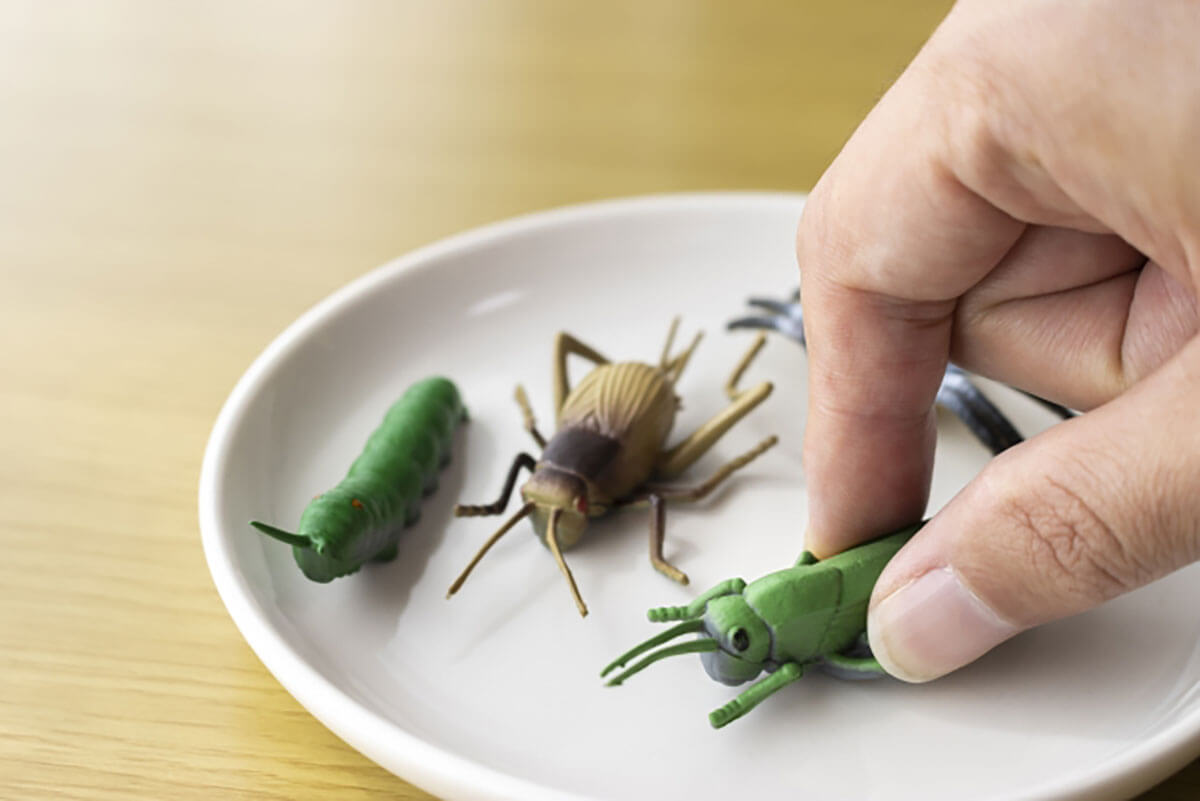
[853,664]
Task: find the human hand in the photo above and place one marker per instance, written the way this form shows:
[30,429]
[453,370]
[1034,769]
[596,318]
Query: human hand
[1024,201]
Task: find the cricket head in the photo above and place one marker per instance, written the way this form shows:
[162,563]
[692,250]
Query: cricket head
[556,502]
[560,507]
[733,641]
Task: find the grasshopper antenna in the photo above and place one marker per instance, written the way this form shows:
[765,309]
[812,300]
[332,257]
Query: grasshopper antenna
[693,647]
[688,627]
[512,521]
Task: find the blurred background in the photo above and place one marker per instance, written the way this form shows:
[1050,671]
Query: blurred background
[178,181]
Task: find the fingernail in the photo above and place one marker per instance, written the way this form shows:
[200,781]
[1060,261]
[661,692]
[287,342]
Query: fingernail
[933,625]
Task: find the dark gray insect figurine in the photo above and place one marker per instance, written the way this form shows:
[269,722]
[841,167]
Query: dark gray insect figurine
[609,450]
[956,393]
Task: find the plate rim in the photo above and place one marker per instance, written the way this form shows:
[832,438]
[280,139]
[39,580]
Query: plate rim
[439,770]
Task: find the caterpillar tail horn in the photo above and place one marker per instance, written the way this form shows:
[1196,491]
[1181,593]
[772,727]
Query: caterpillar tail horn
[281,535]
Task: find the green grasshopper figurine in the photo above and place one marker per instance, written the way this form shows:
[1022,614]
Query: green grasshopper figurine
[812,614]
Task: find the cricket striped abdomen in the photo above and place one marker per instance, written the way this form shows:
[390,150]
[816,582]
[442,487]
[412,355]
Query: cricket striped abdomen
[632,403]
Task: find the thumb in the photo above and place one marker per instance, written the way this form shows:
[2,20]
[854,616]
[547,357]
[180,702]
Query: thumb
[1088,510]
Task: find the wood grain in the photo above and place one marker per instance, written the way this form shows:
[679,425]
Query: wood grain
[179,181]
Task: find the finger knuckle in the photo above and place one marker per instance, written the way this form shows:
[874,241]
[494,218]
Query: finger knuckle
[822,239]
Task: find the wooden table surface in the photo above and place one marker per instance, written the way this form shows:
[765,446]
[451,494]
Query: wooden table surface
[178,181]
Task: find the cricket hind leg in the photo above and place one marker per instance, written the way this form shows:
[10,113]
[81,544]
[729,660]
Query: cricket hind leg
[735,377]
[699,491]
[658,497]
[674,366]
[565,345]
[527,416]
[683,455]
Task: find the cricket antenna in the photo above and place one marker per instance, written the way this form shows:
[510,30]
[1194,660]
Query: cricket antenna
[512,521]
[552,541]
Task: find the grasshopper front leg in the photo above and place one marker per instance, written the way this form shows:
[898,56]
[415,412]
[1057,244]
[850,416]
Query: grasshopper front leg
[755,694]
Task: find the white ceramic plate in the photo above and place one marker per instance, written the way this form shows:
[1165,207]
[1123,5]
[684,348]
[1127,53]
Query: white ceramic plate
[495,694]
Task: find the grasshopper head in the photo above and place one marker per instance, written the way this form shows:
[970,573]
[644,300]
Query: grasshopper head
[742,639]
[557,494]
[733,641]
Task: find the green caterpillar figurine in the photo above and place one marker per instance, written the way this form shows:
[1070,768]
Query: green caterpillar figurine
[360,519]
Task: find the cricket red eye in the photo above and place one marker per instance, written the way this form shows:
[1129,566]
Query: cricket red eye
[581,505]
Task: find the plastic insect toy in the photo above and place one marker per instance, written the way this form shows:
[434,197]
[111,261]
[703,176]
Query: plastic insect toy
[811,615]
[609,451]
[956,393]
[360,519]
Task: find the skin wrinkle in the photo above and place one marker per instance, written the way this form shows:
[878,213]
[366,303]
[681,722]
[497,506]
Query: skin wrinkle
[1049,259]
[1174,310]
[1006,138]
[985,151]
[1158,316]
[1076,360]
[1095,539]
[1071,133]
[1147,317]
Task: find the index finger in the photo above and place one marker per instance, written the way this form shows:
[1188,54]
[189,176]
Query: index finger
[888,241]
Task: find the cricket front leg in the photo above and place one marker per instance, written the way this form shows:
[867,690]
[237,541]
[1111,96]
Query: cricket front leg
[755,695]
[522,461]
[564,345]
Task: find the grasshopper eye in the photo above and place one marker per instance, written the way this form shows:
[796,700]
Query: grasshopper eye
[740,640]
[581,505]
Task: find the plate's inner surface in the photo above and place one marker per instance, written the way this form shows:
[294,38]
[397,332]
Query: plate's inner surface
[505,674]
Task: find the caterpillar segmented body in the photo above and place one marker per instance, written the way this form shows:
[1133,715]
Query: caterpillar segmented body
[360,519]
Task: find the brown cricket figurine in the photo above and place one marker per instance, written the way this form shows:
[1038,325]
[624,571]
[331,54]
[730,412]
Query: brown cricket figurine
[610,450]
